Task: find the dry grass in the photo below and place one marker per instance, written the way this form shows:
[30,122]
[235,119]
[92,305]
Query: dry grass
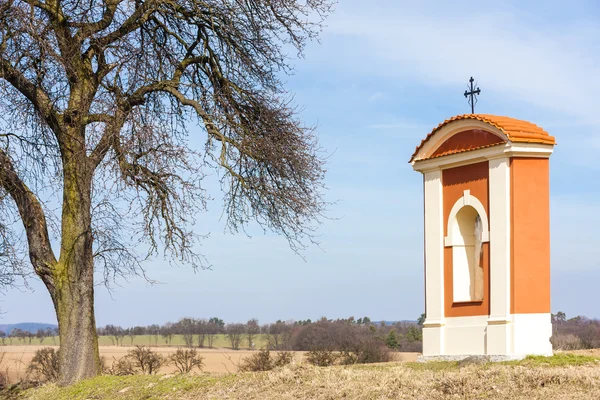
[531,379]
[17,358]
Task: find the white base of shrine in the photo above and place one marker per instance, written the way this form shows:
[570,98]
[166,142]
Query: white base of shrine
[514,336]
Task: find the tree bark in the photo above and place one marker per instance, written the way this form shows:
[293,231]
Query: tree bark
[74,281]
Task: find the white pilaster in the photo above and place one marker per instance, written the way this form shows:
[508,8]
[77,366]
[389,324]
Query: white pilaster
[433,328]
[499,334]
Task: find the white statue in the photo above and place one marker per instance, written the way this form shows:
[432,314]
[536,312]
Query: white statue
[477,285]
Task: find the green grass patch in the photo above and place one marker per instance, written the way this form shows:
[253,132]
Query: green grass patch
[127,387]
[557,360]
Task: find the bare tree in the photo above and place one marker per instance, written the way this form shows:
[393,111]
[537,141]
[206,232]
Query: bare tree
[187,327]
[154,333]
[279,336]
[235,334]
[252,329]
[131,334]
[41,335]
[166,331]
[95,100]
[115,333]
[214,327]
[19,334]
[201,331]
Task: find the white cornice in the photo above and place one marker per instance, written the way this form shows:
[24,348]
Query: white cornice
[534,150]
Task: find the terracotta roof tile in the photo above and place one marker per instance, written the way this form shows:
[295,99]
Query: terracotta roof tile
[516,130]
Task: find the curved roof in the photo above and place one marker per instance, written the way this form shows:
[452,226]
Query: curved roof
[516,130]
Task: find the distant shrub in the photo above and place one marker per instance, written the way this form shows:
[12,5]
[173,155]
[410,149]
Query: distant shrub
[145,360]
[185,360]
[121,367]
[283,358]
[566,341]
[44,364]
[260,361]
[4,381]
[321,358]
[321,335]
[263,361]
[369,350]
[392,340]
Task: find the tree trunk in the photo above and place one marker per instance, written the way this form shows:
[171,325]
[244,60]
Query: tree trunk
[74,282]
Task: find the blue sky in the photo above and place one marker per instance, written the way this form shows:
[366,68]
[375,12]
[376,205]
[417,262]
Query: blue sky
[382,77]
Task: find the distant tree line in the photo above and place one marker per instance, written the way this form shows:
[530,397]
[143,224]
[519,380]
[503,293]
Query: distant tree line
[574,333]
[281,335]
[27,337]
[303,335]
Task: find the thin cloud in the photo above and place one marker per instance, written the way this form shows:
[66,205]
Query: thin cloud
[542,66]
[376,96]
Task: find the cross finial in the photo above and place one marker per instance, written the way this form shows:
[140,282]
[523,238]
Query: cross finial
[471,95]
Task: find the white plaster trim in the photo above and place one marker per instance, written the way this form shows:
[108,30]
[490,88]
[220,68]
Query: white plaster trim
[475,320]
[466,200]
[431,323]
[500,262]
[534,150]
[499,320]
[434,245]
[453,128]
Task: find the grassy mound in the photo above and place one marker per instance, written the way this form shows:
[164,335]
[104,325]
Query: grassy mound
[560,377]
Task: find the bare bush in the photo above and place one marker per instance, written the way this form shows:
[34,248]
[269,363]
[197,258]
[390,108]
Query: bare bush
[44,364]
[566,341]
[121,367]
[283,358]
[366,351]
[322,358]
[145,360]
[185,360]
[263,361]
[585,329]
[4,381]
[3,374]
[260,361]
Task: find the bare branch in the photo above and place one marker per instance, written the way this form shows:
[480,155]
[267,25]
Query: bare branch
[34,221]
[33,93]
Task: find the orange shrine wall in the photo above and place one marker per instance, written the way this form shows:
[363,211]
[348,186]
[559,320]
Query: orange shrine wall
[530,235]
[455,181]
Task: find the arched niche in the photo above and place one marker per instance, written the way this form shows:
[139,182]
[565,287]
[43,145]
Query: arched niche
[467,231]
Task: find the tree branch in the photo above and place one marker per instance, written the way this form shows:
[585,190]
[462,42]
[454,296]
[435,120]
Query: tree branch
[31,212]
[33,93]
[135,20]
[114,126]
[88,29]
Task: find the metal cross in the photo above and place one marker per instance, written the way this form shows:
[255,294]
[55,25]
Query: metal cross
[474,92]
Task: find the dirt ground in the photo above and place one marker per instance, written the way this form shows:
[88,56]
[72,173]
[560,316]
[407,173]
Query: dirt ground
[17,358]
